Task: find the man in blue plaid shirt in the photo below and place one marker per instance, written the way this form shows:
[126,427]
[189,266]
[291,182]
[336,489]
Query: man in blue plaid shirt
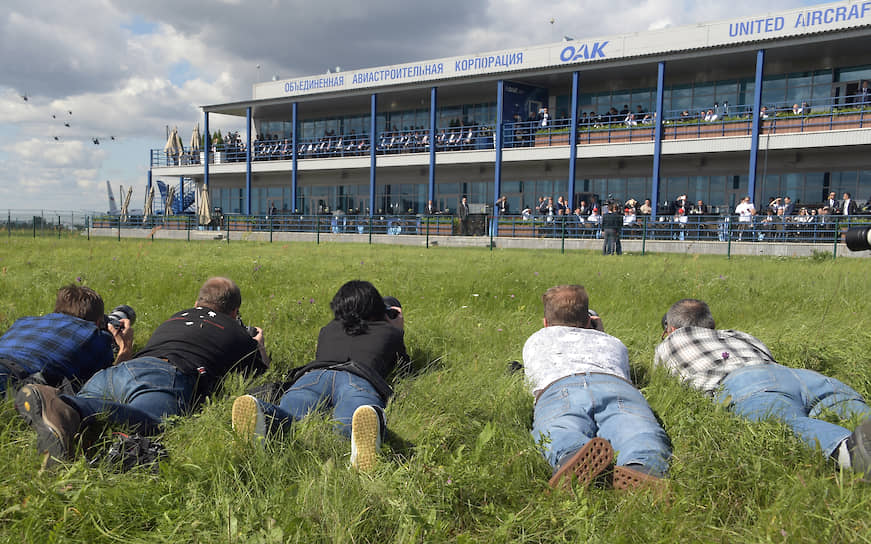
[740,372]
[66,344]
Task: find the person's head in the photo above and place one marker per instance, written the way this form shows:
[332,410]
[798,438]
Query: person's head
[221,295]
[464,200]
[832,195]
[787,200]
[566,305]
[746,199]
[79,301]
[688,312]
[355,303]
[846,196]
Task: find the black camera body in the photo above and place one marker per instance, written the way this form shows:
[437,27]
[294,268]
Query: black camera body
[252,331]
[858,238]
[120,312]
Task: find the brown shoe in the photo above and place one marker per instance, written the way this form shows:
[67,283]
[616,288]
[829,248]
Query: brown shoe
[590,461]
[54,421]
[629,479]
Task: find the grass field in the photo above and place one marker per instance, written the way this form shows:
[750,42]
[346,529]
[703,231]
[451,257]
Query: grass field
[466,469]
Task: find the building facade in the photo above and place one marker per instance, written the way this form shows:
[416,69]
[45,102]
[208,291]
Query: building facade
[769,106]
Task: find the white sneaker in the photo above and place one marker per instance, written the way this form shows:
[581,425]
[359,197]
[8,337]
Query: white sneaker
[248,419]
[365,438]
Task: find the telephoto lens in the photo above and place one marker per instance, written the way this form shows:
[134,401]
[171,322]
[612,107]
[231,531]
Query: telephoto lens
[119,313]
[858,238]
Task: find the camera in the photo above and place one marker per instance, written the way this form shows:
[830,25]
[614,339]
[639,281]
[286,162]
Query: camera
[120,312]
[858,238]
[252,331]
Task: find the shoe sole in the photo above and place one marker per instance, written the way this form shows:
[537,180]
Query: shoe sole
[364,438]
[627,479]
[590,461]
[49,440]
[247,419]
[860,453]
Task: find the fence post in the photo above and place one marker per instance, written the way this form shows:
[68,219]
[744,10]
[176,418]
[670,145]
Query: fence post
[88,226]
[58,227]
[318,228]
[492,226]
[370,230]
[34,225]
[228,229]
[644,236]
[9,223]
[187,225]
[835,246]
[427,233]
[563,236]
[729,238]
[119,228]
[271,223]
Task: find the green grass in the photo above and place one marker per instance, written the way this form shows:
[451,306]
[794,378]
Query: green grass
[468,471]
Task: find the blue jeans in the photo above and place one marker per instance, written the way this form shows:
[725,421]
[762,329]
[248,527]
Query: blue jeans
[795,397]
[575,409]
[342,391]
[140,392]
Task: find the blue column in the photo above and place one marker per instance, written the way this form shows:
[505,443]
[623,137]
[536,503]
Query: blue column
[497,142]
[180,194]
[148,183]
[754,138]
[433,102]
[294,178]
[657,139]
[573,142]
[248,161]
[206,149]
[373,110]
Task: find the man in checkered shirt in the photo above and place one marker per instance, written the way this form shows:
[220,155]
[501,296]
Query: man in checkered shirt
[739,371]
[69,343]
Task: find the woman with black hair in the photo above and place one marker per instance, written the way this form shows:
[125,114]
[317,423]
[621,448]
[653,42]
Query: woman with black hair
[356,353]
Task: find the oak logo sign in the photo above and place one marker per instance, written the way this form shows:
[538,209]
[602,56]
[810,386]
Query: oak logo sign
[583,52]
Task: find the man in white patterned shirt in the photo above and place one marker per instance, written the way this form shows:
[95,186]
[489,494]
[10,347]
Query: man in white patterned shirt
[585,405]
[740,372]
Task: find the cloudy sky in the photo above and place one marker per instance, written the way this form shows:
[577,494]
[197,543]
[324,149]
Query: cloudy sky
[128,69]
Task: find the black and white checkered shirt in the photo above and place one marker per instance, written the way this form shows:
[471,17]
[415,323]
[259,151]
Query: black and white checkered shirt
[704,357]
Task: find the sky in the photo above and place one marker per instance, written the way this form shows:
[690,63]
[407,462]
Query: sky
[121,72]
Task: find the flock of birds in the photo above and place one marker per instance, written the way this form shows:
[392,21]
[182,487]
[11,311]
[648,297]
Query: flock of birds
[66,123]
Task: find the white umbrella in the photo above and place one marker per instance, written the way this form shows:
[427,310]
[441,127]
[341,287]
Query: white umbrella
[125,207]
[167,204]
[173,148]
[196,139]
[204,210]
[149,203]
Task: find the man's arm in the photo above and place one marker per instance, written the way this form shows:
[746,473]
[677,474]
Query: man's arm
[261,347]
[123,339]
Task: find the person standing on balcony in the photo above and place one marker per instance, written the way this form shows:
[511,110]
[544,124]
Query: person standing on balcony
[543,118]
[848,205]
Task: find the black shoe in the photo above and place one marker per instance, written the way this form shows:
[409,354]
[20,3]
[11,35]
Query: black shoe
[54,421]
[859,446]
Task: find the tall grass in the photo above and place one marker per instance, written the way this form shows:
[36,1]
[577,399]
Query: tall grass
[462,466]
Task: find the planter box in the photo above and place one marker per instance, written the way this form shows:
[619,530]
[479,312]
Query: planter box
[547,140]
[857,119]
[784,125]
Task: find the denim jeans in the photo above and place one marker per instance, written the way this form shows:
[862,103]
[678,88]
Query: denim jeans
[795,397]
[575,409]
[342,391]
[140,392]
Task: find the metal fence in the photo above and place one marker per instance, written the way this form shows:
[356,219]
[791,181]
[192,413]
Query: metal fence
[825,231]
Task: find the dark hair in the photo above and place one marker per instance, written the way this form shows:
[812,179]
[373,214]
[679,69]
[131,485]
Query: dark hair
[220,294]
[355,303]
[566,305]
[79,301]
[689,312]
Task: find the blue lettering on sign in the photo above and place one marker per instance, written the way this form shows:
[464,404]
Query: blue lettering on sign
[583,52]
[314,83]
[490,61]
[756,26]
[831,15]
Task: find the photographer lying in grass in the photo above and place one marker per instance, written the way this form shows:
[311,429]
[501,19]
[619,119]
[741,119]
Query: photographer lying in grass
[739,371]
[356,353]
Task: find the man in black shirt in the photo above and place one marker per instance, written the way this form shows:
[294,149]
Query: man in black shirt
[612,226]
[183,361]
